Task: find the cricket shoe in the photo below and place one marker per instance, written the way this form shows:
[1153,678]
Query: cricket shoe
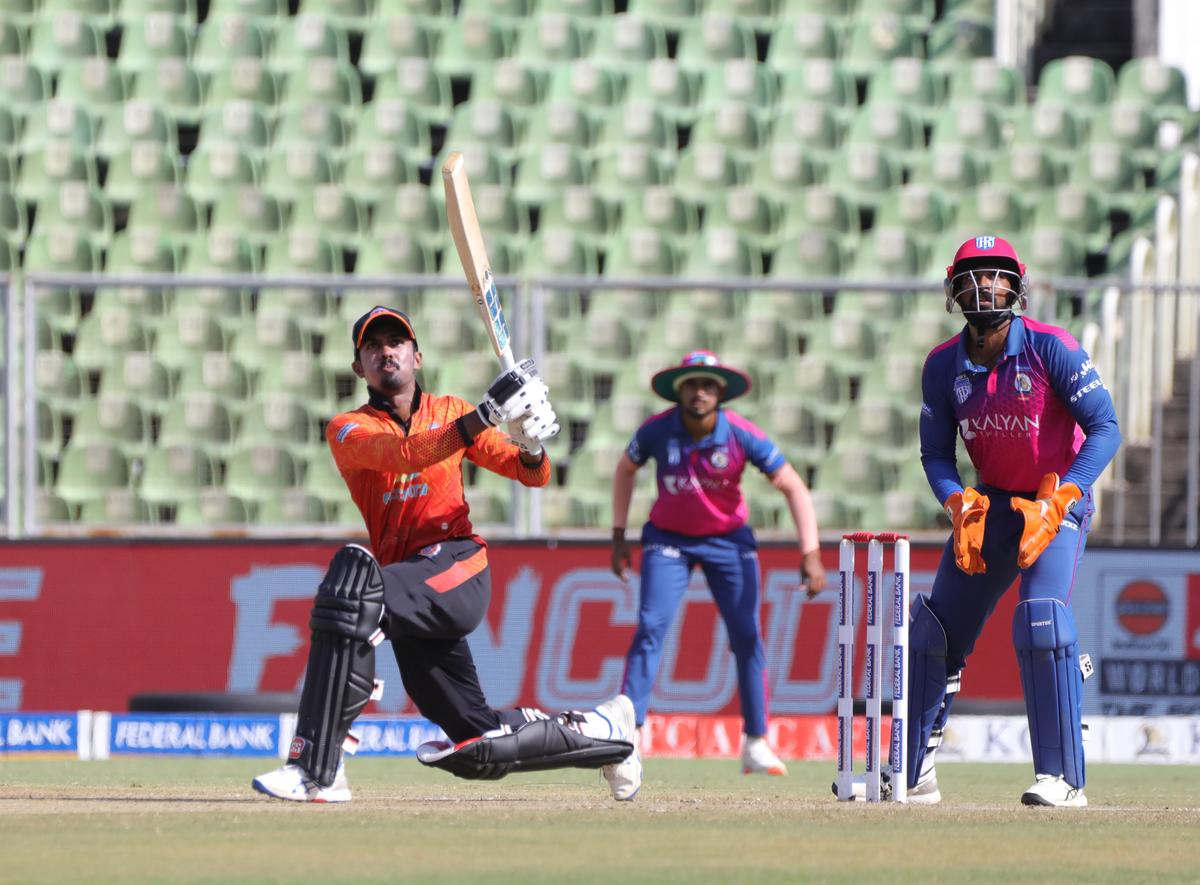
[292,782]
[625,777]
[1053,790]
[759,758]
[926,791]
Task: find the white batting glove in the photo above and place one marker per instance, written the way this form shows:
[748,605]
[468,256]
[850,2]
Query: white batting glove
[512,394]
[531,430]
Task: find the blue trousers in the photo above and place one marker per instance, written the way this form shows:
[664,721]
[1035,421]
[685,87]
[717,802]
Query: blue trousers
[730,565]
[963,603]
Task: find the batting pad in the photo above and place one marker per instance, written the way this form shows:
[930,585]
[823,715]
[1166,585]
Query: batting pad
[536,746]
[1046,643]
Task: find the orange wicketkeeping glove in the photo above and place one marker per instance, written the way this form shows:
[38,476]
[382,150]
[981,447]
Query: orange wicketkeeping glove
[1043,516]
[967,510]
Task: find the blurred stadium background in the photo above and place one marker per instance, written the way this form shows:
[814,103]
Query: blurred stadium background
[198,196]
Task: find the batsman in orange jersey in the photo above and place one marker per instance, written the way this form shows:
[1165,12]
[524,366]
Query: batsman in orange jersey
[425,583]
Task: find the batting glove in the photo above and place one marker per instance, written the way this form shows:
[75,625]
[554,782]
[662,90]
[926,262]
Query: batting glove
[531,430]
[512,394]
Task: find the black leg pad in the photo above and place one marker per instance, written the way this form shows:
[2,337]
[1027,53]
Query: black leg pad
[536,746]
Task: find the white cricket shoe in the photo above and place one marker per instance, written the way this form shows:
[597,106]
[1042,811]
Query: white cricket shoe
[292,782]
[625,777]
[926,791]
[1053,790]
[759,758]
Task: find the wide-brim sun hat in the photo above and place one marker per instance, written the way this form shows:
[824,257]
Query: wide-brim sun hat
[700,364]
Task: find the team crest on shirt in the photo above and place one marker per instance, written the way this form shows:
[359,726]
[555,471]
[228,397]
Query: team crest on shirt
[719,459]
[1023,384]
[672,452]
[962,388]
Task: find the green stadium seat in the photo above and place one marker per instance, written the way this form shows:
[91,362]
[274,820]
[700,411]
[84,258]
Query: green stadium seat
[857,472]
[86,473]
[561,122]
[484,164]
[413,209]
[1056,252]
[14,220]
[798,39]
[327,81]
[219,166]
[394,122]
[896,378]
[142,250]
[669,86]
[755,214]
[374,170]
[304,252]
[733,126]
[919,208]
[65,35]
[59,381]
[159,35]
[826,208]
[1157,86]
[1077,81]
[416,81]
[142,376]
[783,167]
[299,374]
[629,169]
[310,38]
[144,164]
[910,82]
[974,125]
[61,249]
[815,126]
[586,84]
[873,40]
[215,373]
[815,253]
[136,10]
[956,41]
[759,14]
[639,122]
[987,81]
[919,13]
[628,40]
[952,168]
[22,85]
[292,507]
[250,213]
[175,88]
[115,420]
[94,82]
[820,80]
[136,120]
[104,335]
[80,207]
[513,83]
[297,166]
[993,207]
[1056,127]
[1131,125]
[186,334]
[661,208]
[560,253]
[101,14]
[279,419]
[1028,167]
[57,162]
[1079,208]
[889,125]
[636,252]
[246,79]
[118,507]
[319,125]
[722,253]
[49,428]
[711,39]
[175,472]
[238,122]
[867,171]
[59,120]
[485,121]
[553,37]
[812,378]
[741,81]
[212,507]
[1110,168]
[226,38]
[706,168]
[10,136]
[333,213]
[582,211]
[22,12]
[671,15]
[396,36]
[472,40]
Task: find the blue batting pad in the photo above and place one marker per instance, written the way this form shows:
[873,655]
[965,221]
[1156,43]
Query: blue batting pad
[926,682]
[1046,642]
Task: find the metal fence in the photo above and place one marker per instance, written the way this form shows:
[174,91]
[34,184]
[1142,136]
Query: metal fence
[1144,339]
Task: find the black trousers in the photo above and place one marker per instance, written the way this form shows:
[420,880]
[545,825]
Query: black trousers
[434,600]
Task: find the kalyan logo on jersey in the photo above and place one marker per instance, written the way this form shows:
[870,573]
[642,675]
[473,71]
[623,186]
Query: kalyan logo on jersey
[998,425]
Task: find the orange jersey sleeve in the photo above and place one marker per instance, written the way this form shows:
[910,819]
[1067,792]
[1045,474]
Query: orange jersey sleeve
[494,451]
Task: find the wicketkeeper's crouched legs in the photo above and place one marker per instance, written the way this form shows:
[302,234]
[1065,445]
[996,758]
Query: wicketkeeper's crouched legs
[340,678]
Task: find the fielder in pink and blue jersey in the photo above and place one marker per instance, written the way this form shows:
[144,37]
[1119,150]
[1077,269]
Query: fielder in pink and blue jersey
[1039,427]
[699,520]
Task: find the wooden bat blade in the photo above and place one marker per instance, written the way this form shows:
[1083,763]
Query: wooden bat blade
[468,241]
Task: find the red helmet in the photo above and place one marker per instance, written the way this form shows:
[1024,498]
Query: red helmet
[984,253]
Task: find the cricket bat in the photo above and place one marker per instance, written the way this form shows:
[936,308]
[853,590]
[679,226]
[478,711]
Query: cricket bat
[468,240]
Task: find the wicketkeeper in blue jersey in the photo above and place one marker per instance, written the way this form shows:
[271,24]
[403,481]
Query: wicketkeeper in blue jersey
[1039,426]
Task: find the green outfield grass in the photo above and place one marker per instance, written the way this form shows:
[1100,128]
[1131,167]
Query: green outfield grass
[694,821]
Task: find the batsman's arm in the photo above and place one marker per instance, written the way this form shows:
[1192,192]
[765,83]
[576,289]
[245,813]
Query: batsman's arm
[356,447]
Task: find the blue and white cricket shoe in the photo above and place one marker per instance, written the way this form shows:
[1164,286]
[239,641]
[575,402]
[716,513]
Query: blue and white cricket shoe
[1053,790]
[291,782]
[624,778]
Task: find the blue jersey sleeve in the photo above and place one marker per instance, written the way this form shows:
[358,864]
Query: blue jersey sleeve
[938,428]
[761,451]
[1078,385]
[641,445]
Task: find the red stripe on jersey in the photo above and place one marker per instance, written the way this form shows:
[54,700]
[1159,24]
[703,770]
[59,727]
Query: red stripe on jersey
[458,573]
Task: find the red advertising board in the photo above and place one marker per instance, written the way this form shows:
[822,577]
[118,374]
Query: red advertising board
[88,625]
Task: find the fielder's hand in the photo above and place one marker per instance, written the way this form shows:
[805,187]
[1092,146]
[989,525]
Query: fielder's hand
[812,573]
[621,559]
[1043,517]
[512,394]
[967,510]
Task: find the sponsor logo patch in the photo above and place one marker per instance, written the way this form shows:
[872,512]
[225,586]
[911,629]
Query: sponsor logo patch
[296,748]
[345,432]
[431,551]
